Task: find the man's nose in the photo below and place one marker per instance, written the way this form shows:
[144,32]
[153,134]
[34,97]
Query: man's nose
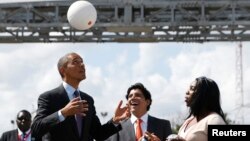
[133,96]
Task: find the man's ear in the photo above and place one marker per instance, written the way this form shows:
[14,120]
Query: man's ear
[62,70]
[148,102]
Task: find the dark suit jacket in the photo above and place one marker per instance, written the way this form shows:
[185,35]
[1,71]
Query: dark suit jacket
[159,127]
[47,122]
[12,135]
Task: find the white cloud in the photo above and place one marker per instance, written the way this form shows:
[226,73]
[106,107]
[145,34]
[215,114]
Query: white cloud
[149,57]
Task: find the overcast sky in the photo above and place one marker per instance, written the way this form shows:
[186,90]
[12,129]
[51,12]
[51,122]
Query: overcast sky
[166,69]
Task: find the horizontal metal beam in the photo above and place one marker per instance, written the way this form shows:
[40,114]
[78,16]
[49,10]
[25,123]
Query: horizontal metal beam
[129,21]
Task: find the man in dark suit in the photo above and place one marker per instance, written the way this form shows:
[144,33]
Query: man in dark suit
[68,114]
[23,133]
[154,129]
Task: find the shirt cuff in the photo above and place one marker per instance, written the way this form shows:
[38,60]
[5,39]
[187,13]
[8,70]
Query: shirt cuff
[60,116]
[115,124]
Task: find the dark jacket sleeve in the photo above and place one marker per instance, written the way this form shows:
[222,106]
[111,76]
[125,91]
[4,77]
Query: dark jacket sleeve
[9,135]
[160,127]
[3,137]
[168,129]
[44,119]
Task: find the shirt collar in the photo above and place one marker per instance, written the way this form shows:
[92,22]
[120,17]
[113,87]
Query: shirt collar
[20,132]
[69,89]
[144,118]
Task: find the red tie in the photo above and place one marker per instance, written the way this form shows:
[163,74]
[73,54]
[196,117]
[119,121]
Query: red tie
[138,133]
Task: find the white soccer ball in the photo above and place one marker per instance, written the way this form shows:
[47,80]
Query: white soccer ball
[81,15]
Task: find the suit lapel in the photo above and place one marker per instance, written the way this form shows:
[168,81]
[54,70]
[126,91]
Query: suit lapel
[85,120]
[152,125]
[64,99]
[129,129]
[71,122]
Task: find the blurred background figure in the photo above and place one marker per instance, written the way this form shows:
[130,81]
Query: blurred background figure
[23,132]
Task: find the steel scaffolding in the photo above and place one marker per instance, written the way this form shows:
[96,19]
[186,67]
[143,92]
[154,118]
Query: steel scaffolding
[129,21]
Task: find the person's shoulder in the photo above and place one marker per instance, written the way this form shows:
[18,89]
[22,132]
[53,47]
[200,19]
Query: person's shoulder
[215,118]
[9,132]
[52,91]
[85,95]
[156,118]
[164,121]
[213,115]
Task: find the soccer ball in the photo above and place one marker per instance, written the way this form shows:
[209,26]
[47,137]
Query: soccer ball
[81,15]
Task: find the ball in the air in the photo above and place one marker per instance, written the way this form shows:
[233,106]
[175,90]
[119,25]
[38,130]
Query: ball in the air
[81,15]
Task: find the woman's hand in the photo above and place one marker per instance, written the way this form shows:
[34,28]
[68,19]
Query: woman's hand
[174,137]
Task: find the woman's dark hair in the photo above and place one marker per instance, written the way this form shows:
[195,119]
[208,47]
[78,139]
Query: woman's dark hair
[206,98]
[144,91]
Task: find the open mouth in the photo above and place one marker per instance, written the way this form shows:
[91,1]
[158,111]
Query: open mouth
[134,103]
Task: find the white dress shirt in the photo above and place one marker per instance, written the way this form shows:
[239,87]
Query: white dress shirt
[144,123]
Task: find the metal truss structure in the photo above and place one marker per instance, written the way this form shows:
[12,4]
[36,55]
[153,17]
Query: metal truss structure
[129,21]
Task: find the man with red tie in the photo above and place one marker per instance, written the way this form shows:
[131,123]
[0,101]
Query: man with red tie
[141,124]
[23,133]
